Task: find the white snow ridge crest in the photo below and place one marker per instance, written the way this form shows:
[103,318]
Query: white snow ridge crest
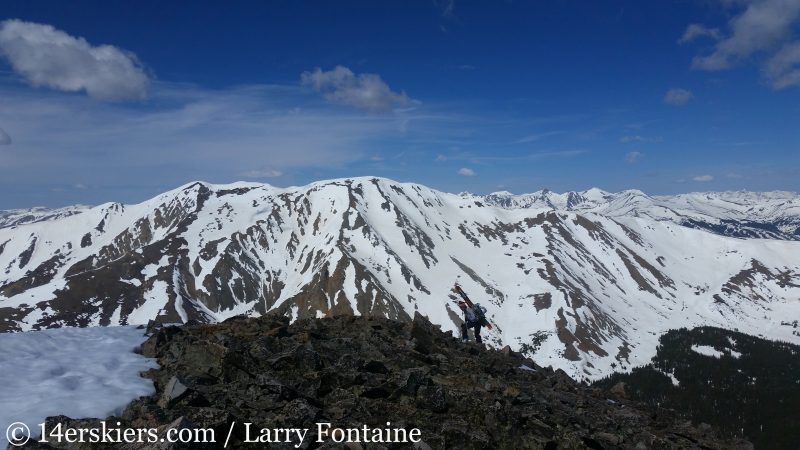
[588,281]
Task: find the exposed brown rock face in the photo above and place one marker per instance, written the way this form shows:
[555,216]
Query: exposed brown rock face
[353,372]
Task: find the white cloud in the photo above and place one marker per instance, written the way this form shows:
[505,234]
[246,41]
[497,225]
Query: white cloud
[761,28]
[446,7]
[703,178]
[677,97]
[637,138]
[783,68]
[441,158]
[696,30]
[365,91]
[45,56]
[478,159]
[5,139]
[185,134]
[632,157]
[466,172]
[536,137]
[262,173]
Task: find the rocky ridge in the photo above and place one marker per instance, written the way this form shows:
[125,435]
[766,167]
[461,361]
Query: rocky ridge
[352,372]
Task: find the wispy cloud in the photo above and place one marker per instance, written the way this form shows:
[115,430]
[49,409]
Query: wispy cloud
[761,30]
[262,173]
[703,178]
[536,137]
[365,91]
[695,31]
[677,97]
[446,8]
[466,172]
[186,133]
[5,139]
[632,157]
[67,188]
[48,57]
[637,138]
[494,158]
[783,68]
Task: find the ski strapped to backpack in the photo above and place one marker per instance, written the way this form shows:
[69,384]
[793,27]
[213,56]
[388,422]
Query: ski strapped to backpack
[479,310]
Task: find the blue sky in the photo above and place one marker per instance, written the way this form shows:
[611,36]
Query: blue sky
[118,101]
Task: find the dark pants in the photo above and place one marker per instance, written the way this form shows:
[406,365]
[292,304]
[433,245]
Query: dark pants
[476,326]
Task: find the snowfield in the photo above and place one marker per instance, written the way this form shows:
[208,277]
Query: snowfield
[707,350]
[77,372]
[710,351]
[583,281]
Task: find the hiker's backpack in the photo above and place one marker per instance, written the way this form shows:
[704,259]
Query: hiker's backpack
[479,311]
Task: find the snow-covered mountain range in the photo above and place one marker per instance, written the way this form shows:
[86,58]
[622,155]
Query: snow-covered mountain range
[742,214]
[13,217]
[587,280]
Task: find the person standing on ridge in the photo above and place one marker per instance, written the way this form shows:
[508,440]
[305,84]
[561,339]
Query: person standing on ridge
[474,315]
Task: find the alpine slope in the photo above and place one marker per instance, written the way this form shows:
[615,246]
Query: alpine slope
[583,281]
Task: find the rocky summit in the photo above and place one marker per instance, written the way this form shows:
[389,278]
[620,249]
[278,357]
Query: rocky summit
[362,373]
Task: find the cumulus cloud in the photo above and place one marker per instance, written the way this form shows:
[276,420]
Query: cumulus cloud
[5,139]
[677,97]
[703,178]
[466,172]
[365,91]
[632,157]
[696,30]
[48,57]
[762,30]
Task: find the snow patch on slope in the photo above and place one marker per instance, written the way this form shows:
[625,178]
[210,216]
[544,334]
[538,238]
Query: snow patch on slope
[77,372]
[708,350]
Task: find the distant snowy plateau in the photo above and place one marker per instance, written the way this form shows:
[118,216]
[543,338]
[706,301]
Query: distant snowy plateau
[584,281]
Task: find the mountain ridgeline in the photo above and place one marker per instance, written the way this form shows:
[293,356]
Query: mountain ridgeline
[586,282]
[356,372]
